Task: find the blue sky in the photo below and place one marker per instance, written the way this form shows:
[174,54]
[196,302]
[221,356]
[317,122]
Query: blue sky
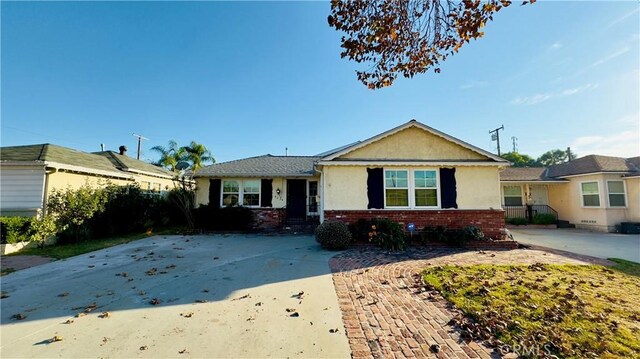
[252,78]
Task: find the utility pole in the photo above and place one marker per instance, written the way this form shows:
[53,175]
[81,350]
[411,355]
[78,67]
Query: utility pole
[514,139]
[140,138]
[495,136]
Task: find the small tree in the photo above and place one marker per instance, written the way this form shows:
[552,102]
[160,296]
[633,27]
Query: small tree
[520,159]
[554,157]
[197,155]
[170,156]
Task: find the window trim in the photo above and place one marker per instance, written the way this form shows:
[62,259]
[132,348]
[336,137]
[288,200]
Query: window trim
[582,194]
[411,187]
[240,191]
[522,195]
[624,194]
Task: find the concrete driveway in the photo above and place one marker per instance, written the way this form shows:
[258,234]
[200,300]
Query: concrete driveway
[217,296]
[596,244]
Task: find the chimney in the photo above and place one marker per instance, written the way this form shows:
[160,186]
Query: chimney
[569,154]
[123,150]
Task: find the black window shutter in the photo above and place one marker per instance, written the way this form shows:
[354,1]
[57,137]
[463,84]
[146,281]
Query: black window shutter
[266,192]
[375,188]
[214,192]
[448,193]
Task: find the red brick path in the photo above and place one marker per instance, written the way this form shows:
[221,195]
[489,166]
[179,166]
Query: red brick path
[385,316]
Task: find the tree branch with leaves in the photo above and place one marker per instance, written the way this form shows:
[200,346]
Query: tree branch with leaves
[407,37]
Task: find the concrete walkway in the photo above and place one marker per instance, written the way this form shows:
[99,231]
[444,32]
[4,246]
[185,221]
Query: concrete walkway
[215,296]
[596,244]
[22,262]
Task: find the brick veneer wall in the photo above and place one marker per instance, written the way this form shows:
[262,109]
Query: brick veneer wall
[491,221]
[268,218]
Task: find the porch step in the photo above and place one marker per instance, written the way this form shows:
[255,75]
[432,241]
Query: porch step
[565,224]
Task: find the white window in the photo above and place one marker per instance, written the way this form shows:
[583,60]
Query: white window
[236,192]
[425,188]
[512,195]
[251,193]
[411,189]
[590,194]
[396,192]
[617,197]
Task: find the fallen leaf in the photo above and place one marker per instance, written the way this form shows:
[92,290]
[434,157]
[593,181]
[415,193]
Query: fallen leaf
[294,314]
[56,338]
[243,297]
[216,258]
[80,315]
[155,301]
[144,347]
[182,351]
[334,330]
[259,304]
[152,271]
[290,310]
[187,315]
[69,321]
[63,294]
[18,316]
[205,291]
[201,300]
[105,315]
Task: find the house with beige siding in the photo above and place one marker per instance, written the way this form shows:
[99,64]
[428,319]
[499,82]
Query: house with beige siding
[28,174]
[592,192]
[411,174]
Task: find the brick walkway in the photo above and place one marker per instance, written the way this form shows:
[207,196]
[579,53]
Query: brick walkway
[387,315]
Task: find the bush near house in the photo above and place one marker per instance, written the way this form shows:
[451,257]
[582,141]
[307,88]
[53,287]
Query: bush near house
[333,235]
[223,219]
[384,232]
[15,229]
[545,218]
[516,221]
[456,237]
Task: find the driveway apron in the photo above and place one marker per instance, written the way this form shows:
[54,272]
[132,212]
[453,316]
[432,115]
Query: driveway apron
[168,296]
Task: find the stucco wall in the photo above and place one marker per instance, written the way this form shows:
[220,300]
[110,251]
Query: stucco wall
[567,200]
[633,199]
[478,187]
[345,187]
[414,143]
[63,180]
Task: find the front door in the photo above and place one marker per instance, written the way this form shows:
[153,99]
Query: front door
[296,199]
[538,194]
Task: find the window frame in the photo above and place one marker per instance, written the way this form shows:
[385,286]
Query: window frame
[411,188]
[240,192]
[624,194]
[582,194]
[504,195]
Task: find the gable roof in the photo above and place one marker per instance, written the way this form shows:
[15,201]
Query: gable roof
[262,166]
[56,156]
[595,164]
[422,126]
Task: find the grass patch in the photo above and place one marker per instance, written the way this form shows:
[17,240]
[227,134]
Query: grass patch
[63,251]
[571,311]
[626,266]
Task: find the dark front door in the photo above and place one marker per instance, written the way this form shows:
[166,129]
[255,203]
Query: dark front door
[296,199]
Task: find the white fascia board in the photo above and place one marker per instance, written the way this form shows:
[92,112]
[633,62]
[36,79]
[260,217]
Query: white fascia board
[412,163]
[594,173]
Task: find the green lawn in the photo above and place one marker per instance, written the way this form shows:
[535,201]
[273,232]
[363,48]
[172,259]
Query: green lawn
[69,250]
[571,311]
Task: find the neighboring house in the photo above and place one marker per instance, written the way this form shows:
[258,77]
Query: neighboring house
[28,174]
[410,174]
[592,192]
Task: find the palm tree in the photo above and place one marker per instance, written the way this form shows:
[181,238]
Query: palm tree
[170,156]
[198,154]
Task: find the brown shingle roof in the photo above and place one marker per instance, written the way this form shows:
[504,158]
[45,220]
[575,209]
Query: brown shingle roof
[262,166]
[594,164]
[524,174]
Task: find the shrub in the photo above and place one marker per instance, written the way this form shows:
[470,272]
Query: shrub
[432,233]
[516,221]
[71,208]
[333,235]
[388,234]
[544,218]
[453,237]
[42,228]
[15,229]
[471,233]
[226,218]
[360,229]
